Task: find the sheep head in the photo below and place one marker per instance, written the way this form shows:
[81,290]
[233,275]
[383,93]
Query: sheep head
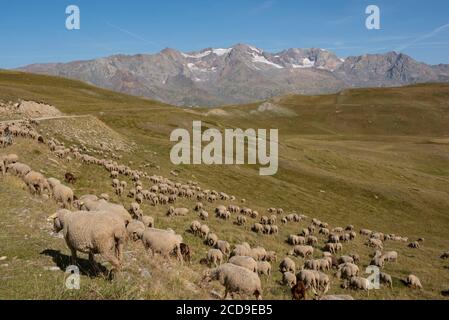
[56,220]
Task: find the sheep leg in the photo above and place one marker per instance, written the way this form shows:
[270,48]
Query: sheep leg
[226,294]
[119,251]
[151,252]
[178,252]
[74,257]
[114,262]
[32,189]
[94,263]
[326,289]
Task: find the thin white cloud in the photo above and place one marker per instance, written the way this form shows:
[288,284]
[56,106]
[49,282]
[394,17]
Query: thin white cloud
[133,35]
[431,34]
[389,39]
[266,5]
[341,20]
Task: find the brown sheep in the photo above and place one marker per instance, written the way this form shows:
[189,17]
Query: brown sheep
[70,177]
[299,291]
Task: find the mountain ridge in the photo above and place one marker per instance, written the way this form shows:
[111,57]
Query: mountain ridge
[242,73]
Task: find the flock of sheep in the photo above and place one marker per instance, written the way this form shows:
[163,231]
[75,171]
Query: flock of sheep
[93,225]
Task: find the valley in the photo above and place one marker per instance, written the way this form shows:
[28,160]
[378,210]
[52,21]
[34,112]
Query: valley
[373,158]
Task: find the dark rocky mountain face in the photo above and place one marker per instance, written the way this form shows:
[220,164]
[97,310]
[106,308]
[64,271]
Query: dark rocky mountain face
[242,73]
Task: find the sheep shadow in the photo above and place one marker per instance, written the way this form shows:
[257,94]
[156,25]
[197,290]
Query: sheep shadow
[63,261]
[445,293]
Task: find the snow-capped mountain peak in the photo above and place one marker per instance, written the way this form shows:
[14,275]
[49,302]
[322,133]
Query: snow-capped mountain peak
[242,73]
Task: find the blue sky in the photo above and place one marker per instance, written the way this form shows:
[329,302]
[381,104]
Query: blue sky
[34,31]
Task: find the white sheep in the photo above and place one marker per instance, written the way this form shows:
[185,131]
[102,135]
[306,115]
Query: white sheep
[10,158]
[258,253]
[36,182]
[64,195]
[245,262]
[204,215]
[414,245]
[103,205]
[365,232]
[311,240]
[375,243]
[413,281]
[258,228]
[390,256]
[212,239]
[322,281]
[163,242]
[135,228]
[198,207]
[93,233]
[147,221]
[289,279]
[236,279]
[135,210]
[204,231]
[264,268]
[271,256]
[386,279]
[18,169]
[215,257]
[195,227]
[308,278]
[357,283]
[347,270]
[115,183]
[224,247]
[378,261]
[287,265]
[296,240]
[177,212]
[333,238]
[241,220]
[302,251]
[345,259]
[240,250]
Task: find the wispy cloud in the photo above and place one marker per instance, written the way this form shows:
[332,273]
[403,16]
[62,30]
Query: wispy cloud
[133,35]
[341,20]
[417,40]
[265,5]
[392,38]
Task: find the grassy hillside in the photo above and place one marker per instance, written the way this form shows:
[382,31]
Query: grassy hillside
[375,158]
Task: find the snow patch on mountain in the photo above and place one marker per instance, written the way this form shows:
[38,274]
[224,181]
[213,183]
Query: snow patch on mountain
[221,52]
[306,63]
[195,68]
[255,49]
[262,59]
[197,55]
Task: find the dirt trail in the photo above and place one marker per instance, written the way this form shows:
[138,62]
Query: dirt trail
[47,118]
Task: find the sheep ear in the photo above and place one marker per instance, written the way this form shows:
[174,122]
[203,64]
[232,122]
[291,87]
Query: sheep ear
[52,217]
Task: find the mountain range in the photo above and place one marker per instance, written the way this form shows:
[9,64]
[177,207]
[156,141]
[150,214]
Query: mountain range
[242,73]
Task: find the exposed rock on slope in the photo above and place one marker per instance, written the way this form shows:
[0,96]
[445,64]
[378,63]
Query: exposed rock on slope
[28,109]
